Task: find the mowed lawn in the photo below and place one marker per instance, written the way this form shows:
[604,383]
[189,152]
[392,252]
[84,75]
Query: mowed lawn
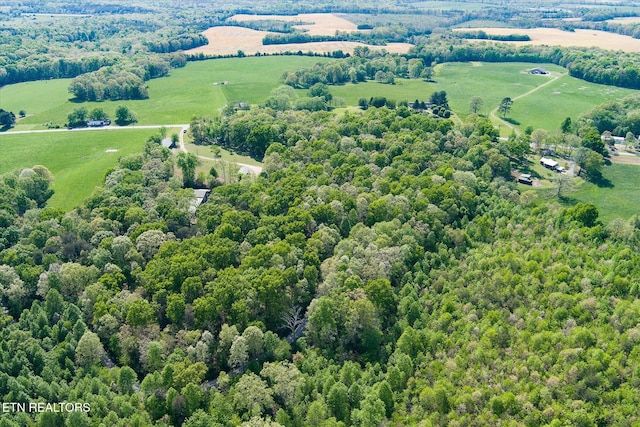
[187,92]
[620,198]
[78,160]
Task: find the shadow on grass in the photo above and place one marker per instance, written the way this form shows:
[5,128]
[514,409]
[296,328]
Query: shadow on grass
[512,121]
[601,181]
[568,201]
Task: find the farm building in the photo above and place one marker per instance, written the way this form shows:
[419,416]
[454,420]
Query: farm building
[549,164]
[98,123]
[538,71]
[168,143]
[201,196]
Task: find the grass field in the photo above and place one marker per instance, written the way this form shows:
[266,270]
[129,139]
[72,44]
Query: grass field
[403,90]
[78,160]
[175,99]
[565,97]
[79,157]
[619,198]
[543,109]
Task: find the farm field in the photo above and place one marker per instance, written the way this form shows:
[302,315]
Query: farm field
[323,24]
[78,159]
[578,38]
[192,91]
[175,99]
[227,40]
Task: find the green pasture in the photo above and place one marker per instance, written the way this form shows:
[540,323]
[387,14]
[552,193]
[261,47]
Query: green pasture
[566,97]
[544,108]
[490,81]
[402,90]
[187,92]
[77,159]
[616,196]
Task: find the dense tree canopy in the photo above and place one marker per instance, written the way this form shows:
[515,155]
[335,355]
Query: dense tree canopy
[382,269]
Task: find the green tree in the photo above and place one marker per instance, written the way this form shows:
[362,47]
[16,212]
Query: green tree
[320,90]
[338,402]
[7,119]
[98,114]
[590,162]
[585,213]
[187,163]
[439,98]
[78,117]
[475,104]
[126,379]
[591,139]
[89,349]
[505,106]
[124,116]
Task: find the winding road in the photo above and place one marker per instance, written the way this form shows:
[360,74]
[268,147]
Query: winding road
[183,128]
[256,170]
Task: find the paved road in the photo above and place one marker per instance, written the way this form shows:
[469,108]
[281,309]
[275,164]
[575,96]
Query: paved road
[183,127]
[18,132]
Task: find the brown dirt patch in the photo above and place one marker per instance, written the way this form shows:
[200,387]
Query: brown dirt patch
[579,38]
[629,160]
[228,40]
[320,24]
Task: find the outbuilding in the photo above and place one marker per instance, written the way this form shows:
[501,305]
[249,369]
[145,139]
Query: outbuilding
[549,164]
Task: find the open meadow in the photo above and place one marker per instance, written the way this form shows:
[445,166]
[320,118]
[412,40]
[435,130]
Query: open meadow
[203,88]
[77,159]
[187,92]
[542,108]
[617,197]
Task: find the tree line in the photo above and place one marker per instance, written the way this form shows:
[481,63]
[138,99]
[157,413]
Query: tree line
[126,80]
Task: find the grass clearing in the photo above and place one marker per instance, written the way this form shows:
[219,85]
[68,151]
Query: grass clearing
[543,109]
[566,97]
[78,160]
[175,99]
[618,199]
[403,90]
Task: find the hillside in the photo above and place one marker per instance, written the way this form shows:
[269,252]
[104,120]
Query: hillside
[420,288]
[378,261]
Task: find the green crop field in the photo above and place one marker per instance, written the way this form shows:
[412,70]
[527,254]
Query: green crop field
[618,197]
[77,159]
[174,99]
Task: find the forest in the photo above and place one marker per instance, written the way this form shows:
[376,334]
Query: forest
[383,269]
